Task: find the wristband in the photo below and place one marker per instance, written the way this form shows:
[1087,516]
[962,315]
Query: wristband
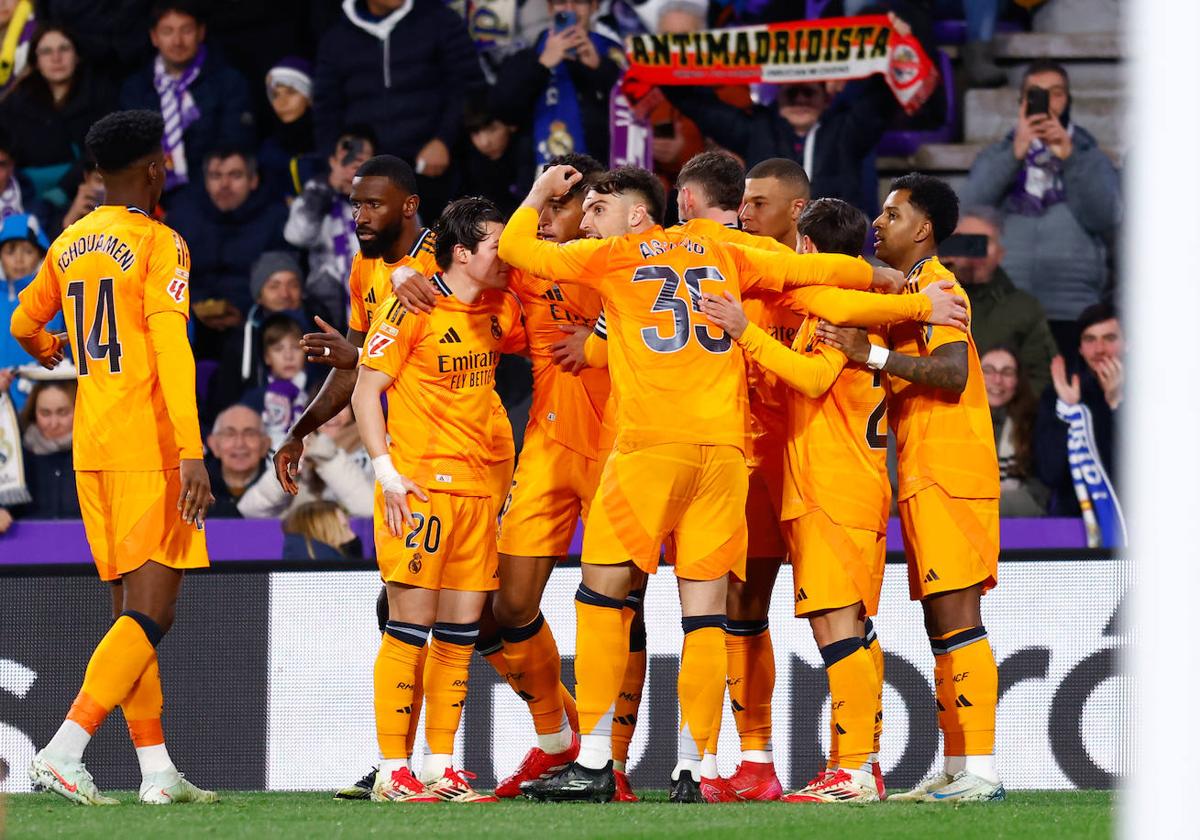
[386,474]
[359,349]
[878,357]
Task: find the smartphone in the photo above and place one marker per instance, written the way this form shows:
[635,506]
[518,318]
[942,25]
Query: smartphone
[1037,101]
[564,20]
[665,131]
[973,245]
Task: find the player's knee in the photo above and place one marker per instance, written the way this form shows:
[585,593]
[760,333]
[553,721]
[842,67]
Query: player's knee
[515,609]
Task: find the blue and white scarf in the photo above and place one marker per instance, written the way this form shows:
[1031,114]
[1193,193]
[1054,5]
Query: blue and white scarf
[557,119]
[1102,516]
[179,111]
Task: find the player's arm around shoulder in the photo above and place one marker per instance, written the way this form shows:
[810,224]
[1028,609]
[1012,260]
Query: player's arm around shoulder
[946,367]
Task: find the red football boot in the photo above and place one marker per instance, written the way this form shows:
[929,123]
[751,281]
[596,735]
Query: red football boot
[537,764]
[755,781]
[717,790]
[877,772]
[624,792]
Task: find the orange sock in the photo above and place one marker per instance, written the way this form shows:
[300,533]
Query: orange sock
[143,708]
[446,672]
[967,689]
[418,699]
[751,662]
[569,709]
[116,664]
[872,644]
[395,683]
[601,651]
[493,651]
[852,694]
[628,703]
[533,663]
[701,682]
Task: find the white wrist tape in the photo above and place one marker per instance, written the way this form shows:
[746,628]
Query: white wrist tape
[878,357]
[387,476]
[359,349]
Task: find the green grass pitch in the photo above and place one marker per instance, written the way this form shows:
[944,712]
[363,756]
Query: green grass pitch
[259,816]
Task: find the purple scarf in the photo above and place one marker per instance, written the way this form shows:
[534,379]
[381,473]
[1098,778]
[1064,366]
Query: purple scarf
[1039,183]
[178,111]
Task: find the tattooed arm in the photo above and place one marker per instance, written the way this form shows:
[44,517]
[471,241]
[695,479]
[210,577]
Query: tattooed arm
[945,368]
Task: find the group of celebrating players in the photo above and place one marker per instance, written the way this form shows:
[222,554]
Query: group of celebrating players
[716,394]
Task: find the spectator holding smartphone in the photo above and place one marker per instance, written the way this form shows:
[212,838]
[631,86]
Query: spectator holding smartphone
[559,88]
[1060,198]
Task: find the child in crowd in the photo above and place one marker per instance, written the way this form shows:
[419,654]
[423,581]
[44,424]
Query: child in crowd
[23,244]
[285,396]
[289,89]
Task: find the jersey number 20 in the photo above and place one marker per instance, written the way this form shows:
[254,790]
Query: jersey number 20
[100,343]
[668,301]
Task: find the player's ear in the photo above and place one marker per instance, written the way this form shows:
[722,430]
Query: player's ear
[410,205]
[797,208]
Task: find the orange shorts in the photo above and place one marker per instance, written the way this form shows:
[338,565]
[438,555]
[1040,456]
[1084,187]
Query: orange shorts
[834,565]
[693,494]
[950,543]
[131,518]
[764,501]
[500,476]
[452,547]
[552,489]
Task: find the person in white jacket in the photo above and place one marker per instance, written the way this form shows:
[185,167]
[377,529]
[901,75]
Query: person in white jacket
[335,468]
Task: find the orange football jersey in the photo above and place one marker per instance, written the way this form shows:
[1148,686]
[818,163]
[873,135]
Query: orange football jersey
[679,378]
[371,279]
[568,407]
[109,273]
[942,438]
[441,417]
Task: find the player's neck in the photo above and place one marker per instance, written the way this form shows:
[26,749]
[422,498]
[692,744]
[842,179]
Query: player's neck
[464,288]
[403,244]
[906,264]
[729,218]
[791,239]
[128,198]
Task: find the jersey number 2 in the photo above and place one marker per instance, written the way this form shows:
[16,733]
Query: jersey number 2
[94,347]
[875,440]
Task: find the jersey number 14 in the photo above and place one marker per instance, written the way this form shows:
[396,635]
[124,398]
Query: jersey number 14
[101,340]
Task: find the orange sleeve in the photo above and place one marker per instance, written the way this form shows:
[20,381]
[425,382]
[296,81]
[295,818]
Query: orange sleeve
[760,270]
[516,340]
[811,375]
[177,378]
[167,275]
[520,247]
[390,338]
[849,308]
[595,347]
[358,310]
[40,301]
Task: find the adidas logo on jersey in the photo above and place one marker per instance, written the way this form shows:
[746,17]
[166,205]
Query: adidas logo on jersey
[931,576]
[451,337]
[370,298]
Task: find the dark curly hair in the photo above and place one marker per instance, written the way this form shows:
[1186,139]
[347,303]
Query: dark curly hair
[933,197]
[463,222]
[641,182]
[117,140]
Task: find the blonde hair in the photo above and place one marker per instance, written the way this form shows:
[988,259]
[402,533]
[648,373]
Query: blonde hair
[315,521]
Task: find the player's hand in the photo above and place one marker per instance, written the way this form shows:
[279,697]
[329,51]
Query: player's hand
[1111,374]
[568,352]
[948,308]
[553,182]
[852,341]
[433,159]
[195,493]
[726,312]
[1068,390]
[287,464]
[395,503]
[413,290]
[54,358]
[329,347]
[887,280]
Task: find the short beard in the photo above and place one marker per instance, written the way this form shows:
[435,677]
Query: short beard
[384,239]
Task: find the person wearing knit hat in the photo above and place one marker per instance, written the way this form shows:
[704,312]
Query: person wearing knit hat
[285,155]
[289,87]
[277,281]
[23,245]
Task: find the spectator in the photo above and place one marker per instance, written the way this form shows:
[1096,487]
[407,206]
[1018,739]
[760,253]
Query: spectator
[48,419]
[284,396]
[239,450]
[831,137]
[319,531]
[49,112]
[226,226]
[1014,410]
[276,282]
[1100,387]
[1060,198]
[490,167]
[22,247]
[558,89]
[1001,314]
[14,196]
[111,35]
[336,468]
[204,102]
[321,222]
[404,68]
[88,196]
[289,89]
[17,24]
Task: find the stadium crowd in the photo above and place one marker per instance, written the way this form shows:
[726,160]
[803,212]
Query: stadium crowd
[268,117]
